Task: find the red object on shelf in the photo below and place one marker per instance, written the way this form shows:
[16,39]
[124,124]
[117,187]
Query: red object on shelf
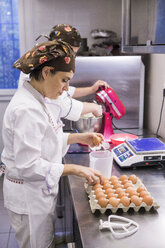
[119,138]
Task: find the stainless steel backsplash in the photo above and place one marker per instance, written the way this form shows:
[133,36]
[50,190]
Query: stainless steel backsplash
[125,74]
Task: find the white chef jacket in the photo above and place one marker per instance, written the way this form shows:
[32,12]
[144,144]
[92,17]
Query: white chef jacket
[34,144]
[71,108]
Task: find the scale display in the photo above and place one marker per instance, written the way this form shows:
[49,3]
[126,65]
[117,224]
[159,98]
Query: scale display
[139,152]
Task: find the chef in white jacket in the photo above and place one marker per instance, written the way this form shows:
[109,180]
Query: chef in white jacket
[72,109]
[34,144]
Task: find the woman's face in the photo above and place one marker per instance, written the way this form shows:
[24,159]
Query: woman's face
[54,85]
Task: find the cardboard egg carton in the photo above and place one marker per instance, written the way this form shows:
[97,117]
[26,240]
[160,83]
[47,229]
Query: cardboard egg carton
[95,206]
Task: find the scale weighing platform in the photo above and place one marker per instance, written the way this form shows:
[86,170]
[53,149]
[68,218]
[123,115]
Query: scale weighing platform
[139,152]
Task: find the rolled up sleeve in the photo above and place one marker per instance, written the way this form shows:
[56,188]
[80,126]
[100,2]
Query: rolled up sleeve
[71,90]
[75,111]
[71,109]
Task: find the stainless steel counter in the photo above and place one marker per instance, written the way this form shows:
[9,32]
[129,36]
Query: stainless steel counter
[151,233]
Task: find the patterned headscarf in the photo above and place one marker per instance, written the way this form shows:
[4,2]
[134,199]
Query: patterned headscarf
[58,53]
[66,33]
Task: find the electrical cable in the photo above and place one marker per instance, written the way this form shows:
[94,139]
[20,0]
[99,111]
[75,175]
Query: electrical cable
[122,129]
[160,118]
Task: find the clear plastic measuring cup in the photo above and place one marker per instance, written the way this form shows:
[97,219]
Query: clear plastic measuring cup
[102,161]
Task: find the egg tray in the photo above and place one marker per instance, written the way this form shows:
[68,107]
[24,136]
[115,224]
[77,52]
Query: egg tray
[95,206]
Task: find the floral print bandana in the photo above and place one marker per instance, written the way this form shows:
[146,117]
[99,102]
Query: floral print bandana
[58,54]
[66,33]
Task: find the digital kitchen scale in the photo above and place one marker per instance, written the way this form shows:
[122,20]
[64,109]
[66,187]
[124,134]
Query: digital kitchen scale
[139,152]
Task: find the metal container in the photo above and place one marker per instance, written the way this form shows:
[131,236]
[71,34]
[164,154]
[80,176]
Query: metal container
[88,123]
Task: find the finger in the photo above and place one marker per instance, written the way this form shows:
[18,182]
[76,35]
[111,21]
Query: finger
[100,178]
[96,140]
[106,85]
[95,179]
[99,175]
[101,136]
[90,180]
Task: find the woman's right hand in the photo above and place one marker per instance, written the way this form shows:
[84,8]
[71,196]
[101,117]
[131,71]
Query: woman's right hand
[97,110]
[91,175]
[90,107]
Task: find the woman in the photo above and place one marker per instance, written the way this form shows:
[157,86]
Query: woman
[72,109]
[72,36]
[34,144]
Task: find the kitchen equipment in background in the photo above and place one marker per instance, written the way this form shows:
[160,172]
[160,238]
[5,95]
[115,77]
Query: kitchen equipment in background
[140,152]
[88,123]
[143,26]
[119,138]
[102,161]
[112,106]
[124,74]
[106,43]
[83,50]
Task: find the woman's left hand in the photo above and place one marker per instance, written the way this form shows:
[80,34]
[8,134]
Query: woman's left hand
[91,139]
[99,83]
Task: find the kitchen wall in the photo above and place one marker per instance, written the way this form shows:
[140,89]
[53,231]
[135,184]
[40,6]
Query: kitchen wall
[39,16]
[155,82]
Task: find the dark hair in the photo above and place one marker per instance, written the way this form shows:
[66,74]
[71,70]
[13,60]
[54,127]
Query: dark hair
[37,73]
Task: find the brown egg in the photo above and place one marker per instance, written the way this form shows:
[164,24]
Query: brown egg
[115,181]
[97,185]
[109,195]
[98,190]
[112,178]
[129,189]
[136,200]
[121,194]
[104,178]
[102,201]
[133,178]
[117,185]
[106,186]
[125,181]
[106,181]
[99,194]
[148,200]
[144,193]
[125,201]
[126,185]
[114,201]
[141,188]
[109,190]
[119,190]
[133,192]
[123,177]
[96,140]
